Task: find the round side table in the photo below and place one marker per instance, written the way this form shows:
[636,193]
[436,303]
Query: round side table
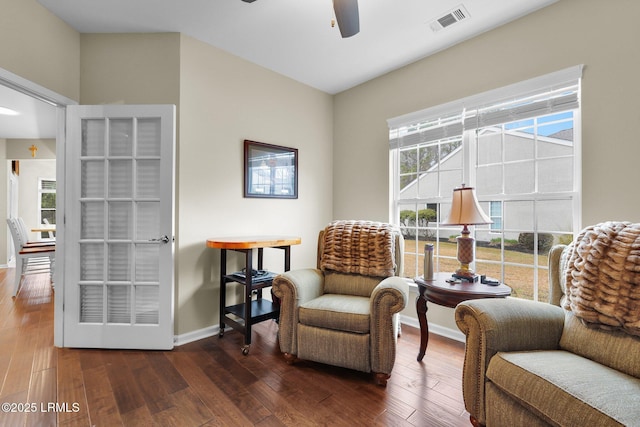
[441,292]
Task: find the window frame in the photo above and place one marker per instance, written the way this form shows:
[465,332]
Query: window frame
[42,191]
[469,153]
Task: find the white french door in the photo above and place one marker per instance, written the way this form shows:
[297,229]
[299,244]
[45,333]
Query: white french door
[118,290]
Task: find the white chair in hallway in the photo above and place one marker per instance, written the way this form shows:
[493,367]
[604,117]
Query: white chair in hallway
[24,235]
[36,257]
[51,235]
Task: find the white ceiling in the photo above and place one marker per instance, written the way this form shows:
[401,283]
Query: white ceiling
[35,119]
[295,37]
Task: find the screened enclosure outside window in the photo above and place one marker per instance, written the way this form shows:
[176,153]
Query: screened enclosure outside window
[519,147]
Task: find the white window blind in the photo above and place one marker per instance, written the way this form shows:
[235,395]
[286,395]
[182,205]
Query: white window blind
[535,97]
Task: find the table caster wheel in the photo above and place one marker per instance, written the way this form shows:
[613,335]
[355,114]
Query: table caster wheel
[245,350]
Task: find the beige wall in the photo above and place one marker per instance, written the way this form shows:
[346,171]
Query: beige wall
[39,47]
[130,68]
[570,32]
[18,149]
[223,101]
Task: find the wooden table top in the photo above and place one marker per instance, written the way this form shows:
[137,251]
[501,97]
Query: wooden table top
[44,229]
[448,294]
[251,242]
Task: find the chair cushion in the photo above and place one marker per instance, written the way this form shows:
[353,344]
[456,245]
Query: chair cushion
[560,386]
[339,312]
[349,284]
[614,349]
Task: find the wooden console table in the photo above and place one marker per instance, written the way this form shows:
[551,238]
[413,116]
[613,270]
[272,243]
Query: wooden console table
[250,311]
[441,292]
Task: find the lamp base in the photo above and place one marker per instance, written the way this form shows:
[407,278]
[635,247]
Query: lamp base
[466,254]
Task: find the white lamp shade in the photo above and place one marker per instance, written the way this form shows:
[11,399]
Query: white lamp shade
[465,209]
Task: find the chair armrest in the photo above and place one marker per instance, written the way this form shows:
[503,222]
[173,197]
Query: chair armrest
[493,325]
[294,288]
[388,298]
[392,294]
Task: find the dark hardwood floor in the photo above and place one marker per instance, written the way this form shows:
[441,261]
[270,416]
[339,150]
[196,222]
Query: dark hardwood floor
[208,382]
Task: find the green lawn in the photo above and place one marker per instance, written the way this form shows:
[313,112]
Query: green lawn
[519,277]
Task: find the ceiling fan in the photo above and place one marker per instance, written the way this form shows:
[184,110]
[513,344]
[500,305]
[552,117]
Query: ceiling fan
[346,14]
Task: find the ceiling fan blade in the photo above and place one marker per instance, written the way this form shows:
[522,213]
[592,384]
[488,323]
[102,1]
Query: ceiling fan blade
[347,17]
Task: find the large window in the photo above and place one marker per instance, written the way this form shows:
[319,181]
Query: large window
[519,147]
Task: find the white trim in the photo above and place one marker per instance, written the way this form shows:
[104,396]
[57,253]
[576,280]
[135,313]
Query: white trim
[36,91]
[196,335]
[548,80]
[214,330]
[434,328]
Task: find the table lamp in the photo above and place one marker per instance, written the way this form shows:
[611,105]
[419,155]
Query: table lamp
[465,211]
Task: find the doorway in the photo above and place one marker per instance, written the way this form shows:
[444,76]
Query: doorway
[46,109]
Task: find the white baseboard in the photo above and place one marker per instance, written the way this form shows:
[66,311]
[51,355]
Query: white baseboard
[211,331]
[434,329]
[199,334]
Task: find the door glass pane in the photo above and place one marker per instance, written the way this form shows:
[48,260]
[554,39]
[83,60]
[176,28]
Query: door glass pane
[147,263]
[147,220]
[92,178]
[120,178]
[120,220]
[118,304]
[148,178]
[121,137]
[147,306]
[148,137]
[92,220]
[92,137]
[91,303]
[91,261]
[119,262]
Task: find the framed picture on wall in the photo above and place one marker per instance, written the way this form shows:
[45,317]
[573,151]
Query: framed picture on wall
[270,171]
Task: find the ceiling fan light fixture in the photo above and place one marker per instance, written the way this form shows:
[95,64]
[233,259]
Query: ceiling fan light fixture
[347,16]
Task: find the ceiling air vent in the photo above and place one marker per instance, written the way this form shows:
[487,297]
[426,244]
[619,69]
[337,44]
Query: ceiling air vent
[450,18]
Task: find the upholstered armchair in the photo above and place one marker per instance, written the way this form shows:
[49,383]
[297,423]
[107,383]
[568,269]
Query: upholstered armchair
[572,362]
[345,312]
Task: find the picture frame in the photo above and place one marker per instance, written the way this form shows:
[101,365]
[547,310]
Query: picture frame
[270,171]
